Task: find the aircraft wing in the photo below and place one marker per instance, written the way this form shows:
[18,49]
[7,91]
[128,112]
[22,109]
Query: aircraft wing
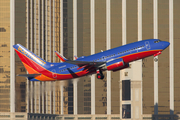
[85,63]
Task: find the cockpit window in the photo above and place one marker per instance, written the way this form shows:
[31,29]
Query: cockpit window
[157,41]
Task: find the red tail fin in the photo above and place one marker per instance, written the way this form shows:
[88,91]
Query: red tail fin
[33,63]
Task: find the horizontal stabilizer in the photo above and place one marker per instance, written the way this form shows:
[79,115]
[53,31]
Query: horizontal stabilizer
[28,75]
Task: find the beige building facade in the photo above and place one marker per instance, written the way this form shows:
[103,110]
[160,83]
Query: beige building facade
[9,36]
[147,89]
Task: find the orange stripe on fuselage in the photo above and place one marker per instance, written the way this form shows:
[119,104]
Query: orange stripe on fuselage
[44,78]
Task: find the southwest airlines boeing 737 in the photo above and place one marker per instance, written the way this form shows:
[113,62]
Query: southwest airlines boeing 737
[112,60]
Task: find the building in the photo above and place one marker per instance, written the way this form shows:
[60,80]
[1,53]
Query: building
[10,16]
[148,89]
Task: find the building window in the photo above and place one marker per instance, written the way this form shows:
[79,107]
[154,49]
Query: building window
[126,111]
[126,90]
[87,103]
[2,30]
[87,94]
[87,109]
[87,99]
[130,65]
[125,73]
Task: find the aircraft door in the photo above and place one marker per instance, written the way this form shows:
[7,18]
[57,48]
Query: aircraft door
[54,75]
[148,47]
[103,58]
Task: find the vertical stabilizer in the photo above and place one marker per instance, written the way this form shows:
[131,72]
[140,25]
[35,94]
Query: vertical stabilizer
[33,63]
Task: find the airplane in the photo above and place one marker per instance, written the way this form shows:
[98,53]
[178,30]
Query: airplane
[112,60]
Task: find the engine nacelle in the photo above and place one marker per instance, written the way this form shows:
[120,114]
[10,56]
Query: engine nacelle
[125,66]
[115,64]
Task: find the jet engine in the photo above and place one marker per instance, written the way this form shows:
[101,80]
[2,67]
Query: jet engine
[125,66]
[116,64]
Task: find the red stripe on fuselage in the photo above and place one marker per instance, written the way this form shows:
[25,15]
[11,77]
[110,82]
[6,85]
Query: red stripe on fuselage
[140,55]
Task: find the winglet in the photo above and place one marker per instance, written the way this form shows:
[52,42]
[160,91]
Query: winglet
[62,58]
[75,57]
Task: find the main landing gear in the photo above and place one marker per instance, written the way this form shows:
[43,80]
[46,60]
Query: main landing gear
[99,74]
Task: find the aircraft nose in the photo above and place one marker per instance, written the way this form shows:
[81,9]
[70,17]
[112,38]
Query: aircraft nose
[166,44]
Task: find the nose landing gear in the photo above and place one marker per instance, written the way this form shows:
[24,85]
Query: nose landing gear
[155,59]
[100,74]
[155,56]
